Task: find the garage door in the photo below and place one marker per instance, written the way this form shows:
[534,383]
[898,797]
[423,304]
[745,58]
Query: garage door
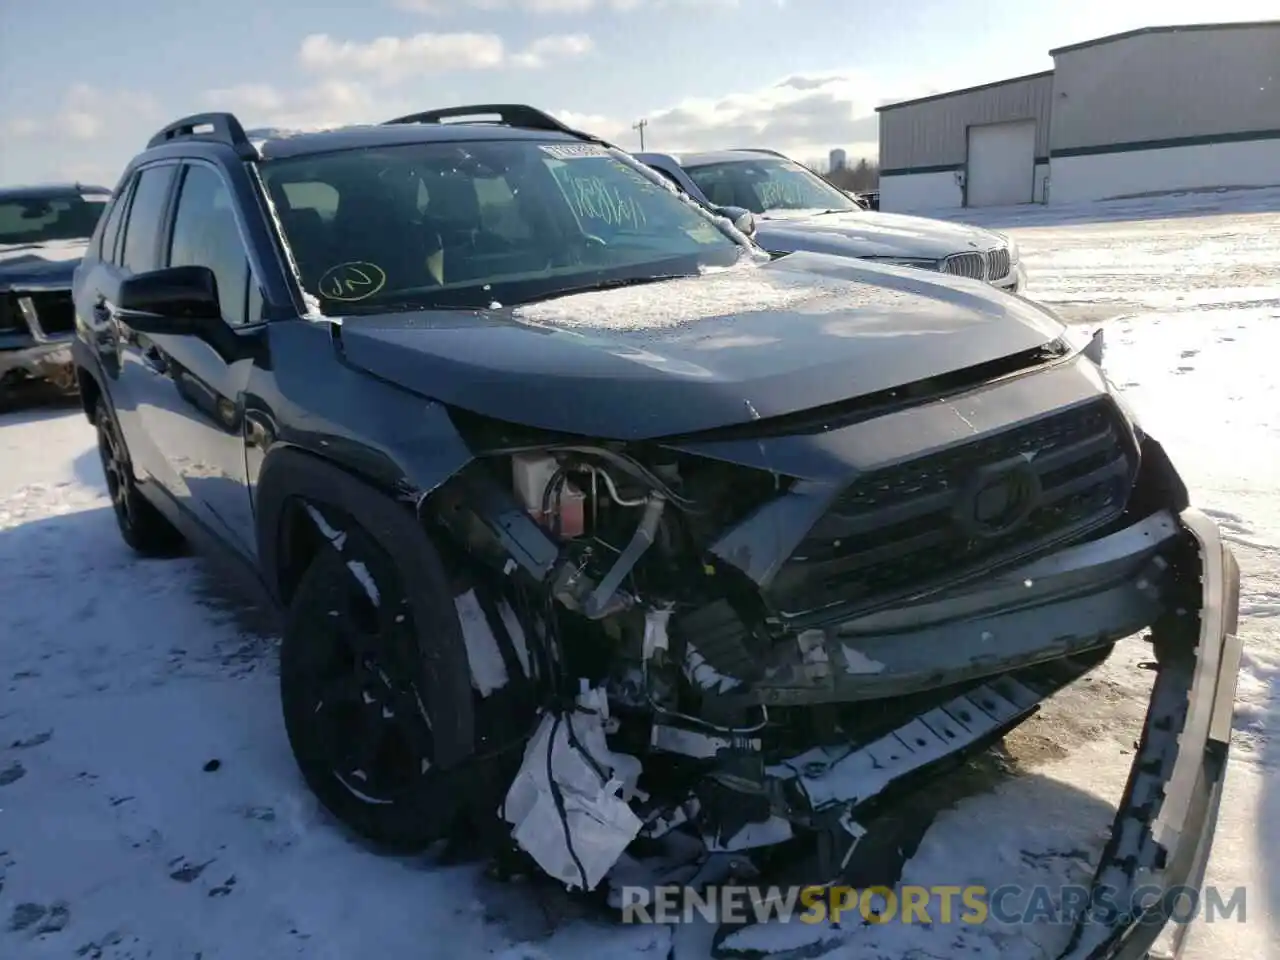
[1002,163]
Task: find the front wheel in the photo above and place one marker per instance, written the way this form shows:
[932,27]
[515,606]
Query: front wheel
[351,684]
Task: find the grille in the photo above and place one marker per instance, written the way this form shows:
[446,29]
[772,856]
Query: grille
[55,311]
[971,265]
[998,263]
[10,316]
[990,265]
[892,533]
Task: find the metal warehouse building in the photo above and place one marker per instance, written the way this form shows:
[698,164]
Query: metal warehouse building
[1163,108]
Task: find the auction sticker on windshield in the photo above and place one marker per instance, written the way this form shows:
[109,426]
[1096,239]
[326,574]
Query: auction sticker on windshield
[573,151]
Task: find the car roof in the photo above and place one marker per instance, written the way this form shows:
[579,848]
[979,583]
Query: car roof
[279,145]
[687,160]
[50,191]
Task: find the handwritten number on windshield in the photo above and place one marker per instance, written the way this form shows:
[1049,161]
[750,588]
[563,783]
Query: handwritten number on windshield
[352,281]
[791,193]
[593,199]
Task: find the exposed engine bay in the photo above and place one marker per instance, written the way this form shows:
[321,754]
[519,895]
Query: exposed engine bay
[754,659]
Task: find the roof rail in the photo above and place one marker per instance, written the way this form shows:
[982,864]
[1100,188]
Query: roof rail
[508,114]
[222,128]
[772,153]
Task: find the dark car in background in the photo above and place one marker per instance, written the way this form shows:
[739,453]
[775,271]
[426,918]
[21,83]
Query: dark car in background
[796,209]
[43,234]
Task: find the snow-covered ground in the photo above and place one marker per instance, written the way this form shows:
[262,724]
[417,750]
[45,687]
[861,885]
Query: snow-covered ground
[149,806]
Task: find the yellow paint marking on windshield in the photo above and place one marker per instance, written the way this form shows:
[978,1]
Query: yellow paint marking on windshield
[356,280]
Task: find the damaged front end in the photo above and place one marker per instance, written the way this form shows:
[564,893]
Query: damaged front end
[36,327]
[750,638]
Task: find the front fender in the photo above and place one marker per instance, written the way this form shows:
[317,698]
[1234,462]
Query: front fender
[399,442]
[293,477]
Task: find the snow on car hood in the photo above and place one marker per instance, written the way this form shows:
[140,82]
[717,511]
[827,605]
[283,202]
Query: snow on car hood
[693,354]
[49,264]
[870,234]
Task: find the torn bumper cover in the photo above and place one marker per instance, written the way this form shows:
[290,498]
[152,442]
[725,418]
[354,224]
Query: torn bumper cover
[1072,601]
[1150,873]
[1163,831]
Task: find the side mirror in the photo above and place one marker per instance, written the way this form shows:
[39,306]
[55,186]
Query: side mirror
[742,218]
[176,300]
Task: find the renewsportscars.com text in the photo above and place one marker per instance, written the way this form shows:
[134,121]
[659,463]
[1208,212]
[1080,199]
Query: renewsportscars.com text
[970,905]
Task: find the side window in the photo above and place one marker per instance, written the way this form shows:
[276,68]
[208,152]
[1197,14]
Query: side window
[205,235]
[142,232]
[111,226]
[718,188]
[312,195]
[500,214]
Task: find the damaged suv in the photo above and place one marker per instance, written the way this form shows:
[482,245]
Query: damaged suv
[591,524]
[43,232]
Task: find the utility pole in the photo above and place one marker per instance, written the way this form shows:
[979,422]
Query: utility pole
[640,125]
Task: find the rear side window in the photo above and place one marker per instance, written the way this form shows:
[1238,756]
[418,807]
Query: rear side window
[142,234]
[111,228]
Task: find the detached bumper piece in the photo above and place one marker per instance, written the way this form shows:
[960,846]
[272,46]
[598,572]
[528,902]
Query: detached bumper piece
[1164,828]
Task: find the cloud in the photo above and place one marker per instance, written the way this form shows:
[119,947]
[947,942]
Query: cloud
[804,115]
[394,58]
[439,8]
[557,47]
[330,103]
[84,114]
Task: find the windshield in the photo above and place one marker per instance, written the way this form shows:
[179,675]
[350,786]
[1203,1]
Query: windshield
[56,217]
[766,184]
[479,224]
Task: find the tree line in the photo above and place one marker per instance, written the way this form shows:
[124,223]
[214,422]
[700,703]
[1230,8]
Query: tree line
[860,177]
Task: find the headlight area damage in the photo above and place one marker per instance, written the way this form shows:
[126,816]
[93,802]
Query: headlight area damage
[746,644]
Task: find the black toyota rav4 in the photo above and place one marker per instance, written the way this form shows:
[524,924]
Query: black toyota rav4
[590,522]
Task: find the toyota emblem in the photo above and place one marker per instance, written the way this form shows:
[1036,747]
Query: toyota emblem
[997,499]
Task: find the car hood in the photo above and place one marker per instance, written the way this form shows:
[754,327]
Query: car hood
[692,354]
[870,234]
[40,265]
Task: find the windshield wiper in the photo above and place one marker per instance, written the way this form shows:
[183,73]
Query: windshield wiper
[603,285]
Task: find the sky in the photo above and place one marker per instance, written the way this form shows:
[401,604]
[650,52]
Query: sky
[83,85]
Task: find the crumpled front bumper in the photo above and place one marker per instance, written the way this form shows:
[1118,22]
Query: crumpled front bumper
[1163,831]
[1077,599]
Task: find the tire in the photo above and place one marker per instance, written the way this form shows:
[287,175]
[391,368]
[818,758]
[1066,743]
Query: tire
[352,672]
[143,527]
